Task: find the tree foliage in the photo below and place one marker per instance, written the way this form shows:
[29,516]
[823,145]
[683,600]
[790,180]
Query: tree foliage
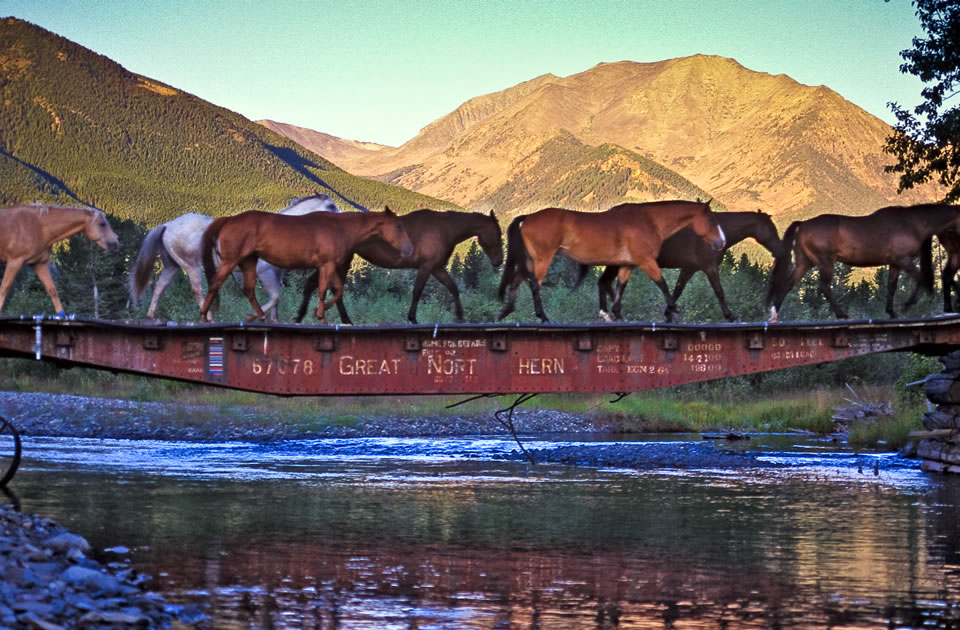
[926,140]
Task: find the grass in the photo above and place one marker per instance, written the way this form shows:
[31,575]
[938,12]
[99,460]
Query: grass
[680,409]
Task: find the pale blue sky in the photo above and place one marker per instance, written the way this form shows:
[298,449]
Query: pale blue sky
[381,70]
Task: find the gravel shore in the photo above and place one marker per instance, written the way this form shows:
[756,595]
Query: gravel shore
[63,415]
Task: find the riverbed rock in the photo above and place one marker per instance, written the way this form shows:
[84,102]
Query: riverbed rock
[44,586]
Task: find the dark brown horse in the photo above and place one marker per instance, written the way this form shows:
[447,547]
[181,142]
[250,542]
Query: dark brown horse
[626,236]
[892,236]
[434,235]
[689,253]
[27,235]
[319,240]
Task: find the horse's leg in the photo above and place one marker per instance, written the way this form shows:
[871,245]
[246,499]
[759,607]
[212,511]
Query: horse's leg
[949,270]
[441,274]
[423,274]
[249,268]
[43,273]
[893,277]
[826,279]
[13,268]
[535,276]
[308,289]
[713,275]
[195,276]
[219,278]
[327,276]
[801,268]
[270,279]
[623,276]
[652,269]
[166,277]
[603,287]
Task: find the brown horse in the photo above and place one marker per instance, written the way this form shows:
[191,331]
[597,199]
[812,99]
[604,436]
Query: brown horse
[319,240]
[892,236]
[689,253]
[434,235]
[628,235]
[27,235]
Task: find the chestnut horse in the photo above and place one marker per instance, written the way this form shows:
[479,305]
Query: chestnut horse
[319,240]
[685,251]
[27,235]
[628,235]
[434,235]
[177,244]
[892,236]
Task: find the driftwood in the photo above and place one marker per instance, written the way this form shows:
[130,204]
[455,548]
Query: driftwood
[938,451]
[930,466]
[936,433]
[859,412]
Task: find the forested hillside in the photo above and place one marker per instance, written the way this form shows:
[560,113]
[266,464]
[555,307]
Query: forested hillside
[78,128]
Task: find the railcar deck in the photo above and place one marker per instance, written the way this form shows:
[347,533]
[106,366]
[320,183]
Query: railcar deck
[313,360]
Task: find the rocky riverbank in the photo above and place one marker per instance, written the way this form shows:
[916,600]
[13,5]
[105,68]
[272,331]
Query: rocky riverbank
[62,415]
[51,582]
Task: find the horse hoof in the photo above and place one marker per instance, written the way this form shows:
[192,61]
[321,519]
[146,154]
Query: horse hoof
[605,316]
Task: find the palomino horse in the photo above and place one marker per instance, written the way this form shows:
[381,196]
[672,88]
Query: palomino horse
[177,243]
[322,242]
[434,235]
[27,235]
[689,253]
[892,236]
[628,235]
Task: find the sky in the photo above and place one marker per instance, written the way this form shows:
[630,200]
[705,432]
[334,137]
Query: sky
[380,70]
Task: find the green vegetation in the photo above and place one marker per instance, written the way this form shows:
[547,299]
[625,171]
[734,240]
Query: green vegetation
[77,128]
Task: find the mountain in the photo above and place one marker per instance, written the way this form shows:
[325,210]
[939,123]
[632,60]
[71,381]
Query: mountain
[78,128]
[331,147]
[751,140]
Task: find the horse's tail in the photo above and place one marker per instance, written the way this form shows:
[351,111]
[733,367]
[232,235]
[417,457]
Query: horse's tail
[926,265]
[582,271]
[781,264]
[207,248]
[143,268]
[515,254]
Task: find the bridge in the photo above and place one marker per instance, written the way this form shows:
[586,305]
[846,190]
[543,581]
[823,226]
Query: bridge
[460,359]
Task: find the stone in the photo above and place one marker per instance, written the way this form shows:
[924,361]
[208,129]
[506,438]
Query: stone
[66,541]
[91,579]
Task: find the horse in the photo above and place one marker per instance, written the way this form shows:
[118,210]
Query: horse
[893,236]
[177,243]
[626,236]
[434,235]
[690,254]
[27,235]
[293,242]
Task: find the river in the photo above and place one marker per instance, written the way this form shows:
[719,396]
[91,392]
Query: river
[386,533]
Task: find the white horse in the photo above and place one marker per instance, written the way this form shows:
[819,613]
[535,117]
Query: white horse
[177,243]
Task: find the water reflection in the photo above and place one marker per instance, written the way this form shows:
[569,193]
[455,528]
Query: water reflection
[409,534]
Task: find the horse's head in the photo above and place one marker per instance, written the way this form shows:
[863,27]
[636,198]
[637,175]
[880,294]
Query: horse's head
[490,237]
[705,226]
[393,232]
[100,232]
